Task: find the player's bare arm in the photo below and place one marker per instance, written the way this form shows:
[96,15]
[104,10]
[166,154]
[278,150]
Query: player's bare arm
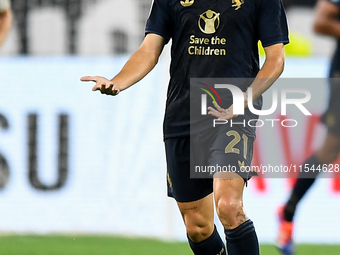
[135,69]
[270,71]
[326,19]
[6,19]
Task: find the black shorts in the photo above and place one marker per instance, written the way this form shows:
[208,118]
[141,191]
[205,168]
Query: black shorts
[220,149]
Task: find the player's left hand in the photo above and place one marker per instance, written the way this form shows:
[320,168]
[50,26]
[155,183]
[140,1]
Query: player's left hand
[105,86]
[221,113]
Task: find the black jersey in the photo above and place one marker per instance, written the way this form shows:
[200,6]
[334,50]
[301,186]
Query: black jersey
[212,38]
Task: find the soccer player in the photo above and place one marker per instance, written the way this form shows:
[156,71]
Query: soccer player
[327,22]
[209,39]
[6,19]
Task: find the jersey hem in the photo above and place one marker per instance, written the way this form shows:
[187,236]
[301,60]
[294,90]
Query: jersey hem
[272,41]
[167,39]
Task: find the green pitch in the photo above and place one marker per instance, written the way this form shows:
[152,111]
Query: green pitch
[108,245]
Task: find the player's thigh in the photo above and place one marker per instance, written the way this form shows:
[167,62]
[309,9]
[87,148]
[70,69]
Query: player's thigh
[228,193]
[199,212]
[198,217]
[231,152]
[228,186]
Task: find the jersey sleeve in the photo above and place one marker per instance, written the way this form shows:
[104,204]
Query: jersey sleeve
[272,23]
[159,21]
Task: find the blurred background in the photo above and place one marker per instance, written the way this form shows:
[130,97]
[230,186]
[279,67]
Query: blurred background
[74,161]
[103,27]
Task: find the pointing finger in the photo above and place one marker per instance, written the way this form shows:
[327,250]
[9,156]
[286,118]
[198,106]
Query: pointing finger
[88,78]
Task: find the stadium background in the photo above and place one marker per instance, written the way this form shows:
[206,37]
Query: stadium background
[72,161]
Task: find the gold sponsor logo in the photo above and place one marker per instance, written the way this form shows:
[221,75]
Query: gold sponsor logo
[206,51]
[187,3]
[207,46]
[209,21]
[237,4]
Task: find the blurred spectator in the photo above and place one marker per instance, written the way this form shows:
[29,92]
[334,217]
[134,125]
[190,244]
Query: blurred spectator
[326,23]
[6,19]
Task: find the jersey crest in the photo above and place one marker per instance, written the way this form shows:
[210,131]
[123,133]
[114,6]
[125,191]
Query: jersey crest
[187,3]
[237,4]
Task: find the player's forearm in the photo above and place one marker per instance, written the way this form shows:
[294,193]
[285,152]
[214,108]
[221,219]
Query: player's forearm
[6,19]
[136,68]
[140,63]
[270,71]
